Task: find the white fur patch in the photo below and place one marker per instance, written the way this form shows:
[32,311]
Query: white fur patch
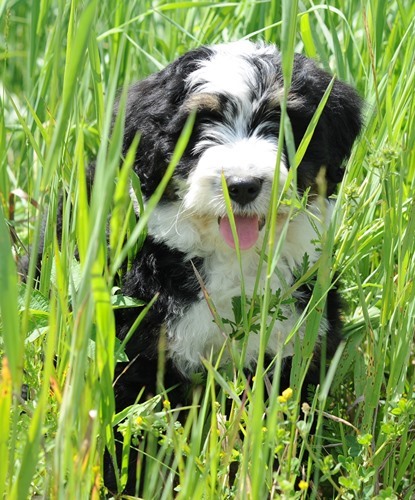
[195,335]
[229,71]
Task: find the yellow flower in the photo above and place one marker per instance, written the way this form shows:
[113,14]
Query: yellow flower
[286,395]
[303,485]
[138,420]
[166,404]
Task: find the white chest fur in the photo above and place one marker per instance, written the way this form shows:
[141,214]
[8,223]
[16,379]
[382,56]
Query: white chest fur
[195,335]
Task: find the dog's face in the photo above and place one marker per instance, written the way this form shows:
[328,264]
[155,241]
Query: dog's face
[235,90]
[236,95]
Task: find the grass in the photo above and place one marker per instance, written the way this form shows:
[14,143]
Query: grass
[61,66]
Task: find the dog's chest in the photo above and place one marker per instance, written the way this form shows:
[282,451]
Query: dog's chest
[195,334]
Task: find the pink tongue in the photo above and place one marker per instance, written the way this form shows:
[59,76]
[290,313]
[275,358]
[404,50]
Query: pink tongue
[246,227]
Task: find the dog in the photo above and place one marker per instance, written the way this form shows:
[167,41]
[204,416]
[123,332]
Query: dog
[189,259]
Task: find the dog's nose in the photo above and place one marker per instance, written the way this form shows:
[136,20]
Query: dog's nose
[243,190]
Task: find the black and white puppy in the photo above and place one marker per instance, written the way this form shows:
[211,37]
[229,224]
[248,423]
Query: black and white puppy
[236,91]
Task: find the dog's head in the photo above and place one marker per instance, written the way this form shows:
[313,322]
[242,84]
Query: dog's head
[236,91]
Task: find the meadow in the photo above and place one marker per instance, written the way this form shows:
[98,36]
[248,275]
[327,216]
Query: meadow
[62,64]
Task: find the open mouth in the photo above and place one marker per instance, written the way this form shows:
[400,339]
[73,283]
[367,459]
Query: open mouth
[247,229]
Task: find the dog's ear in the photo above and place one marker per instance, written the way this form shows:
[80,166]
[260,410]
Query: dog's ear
[339,125]
[154,112]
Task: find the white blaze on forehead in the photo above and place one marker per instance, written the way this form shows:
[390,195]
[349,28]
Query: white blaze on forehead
[229,69]
[243,157]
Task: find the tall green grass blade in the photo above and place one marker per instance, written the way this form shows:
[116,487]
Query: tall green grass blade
[6,392]
[77,43]
[10,323]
